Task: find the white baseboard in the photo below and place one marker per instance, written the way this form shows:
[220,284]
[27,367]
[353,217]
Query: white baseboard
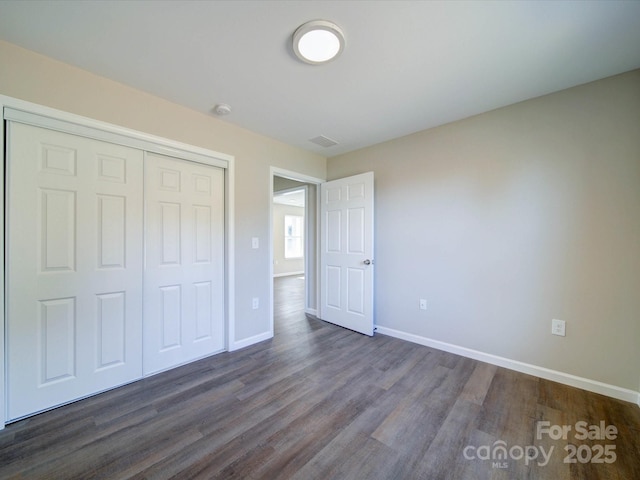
[287,274]
[246,342]
[548,374]
[311,311]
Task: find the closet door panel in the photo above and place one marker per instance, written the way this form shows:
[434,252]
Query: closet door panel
[184,267]
[75,253]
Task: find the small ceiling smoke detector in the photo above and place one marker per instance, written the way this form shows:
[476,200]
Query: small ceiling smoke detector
[318,41]
[222,109]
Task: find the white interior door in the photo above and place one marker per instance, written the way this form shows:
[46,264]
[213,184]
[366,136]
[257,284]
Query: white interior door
[74,267]
[346,256]
[184,267]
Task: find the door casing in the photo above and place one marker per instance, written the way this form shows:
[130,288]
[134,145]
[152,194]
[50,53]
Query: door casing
[278,172]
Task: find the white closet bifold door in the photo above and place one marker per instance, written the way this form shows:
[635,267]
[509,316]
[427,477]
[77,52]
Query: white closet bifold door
[75,258]
[184,267]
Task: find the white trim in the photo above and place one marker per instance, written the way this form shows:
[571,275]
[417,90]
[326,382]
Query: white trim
[3,393]
[230,226]
[298,177]
[291,175]
[247,342]
[318,313]
[311,311]
[287,274]
[22,111]
[289,190]
[548,374]
[270,249]
[40,116]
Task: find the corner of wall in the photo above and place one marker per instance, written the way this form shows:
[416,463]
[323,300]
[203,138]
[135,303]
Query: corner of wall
[247,342]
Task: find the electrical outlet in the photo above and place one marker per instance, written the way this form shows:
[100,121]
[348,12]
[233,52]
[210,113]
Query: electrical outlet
[423,304]
[256,303]
[558,327]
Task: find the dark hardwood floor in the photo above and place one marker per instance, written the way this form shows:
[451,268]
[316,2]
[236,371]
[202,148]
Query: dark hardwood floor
[320,402]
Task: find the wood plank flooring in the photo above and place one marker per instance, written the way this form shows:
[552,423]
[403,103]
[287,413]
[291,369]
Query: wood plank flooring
[321,402]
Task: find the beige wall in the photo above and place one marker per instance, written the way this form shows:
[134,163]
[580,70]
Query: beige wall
[502,221]
[38,79]
[506,220]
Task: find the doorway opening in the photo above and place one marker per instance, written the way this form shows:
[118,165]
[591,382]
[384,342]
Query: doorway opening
[288,249]
[293,247]
[289,232]
[344,272]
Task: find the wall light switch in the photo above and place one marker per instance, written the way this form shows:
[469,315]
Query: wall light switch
[256,303]
[423,304]
[255,242]
[558,327]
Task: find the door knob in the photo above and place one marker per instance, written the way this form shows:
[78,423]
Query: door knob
[367,262]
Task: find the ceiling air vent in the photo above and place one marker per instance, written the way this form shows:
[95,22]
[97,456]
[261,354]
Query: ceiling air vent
[323,141]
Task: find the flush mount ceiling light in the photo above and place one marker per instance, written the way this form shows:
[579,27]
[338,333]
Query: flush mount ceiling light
[318,41]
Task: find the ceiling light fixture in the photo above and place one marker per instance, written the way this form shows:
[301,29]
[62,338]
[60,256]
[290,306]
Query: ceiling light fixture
[318,41]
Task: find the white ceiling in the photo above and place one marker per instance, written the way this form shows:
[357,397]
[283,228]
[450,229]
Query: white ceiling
[407,65]
[294,198]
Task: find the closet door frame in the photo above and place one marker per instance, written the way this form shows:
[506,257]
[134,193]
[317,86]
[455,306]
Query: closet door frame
[26,112]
